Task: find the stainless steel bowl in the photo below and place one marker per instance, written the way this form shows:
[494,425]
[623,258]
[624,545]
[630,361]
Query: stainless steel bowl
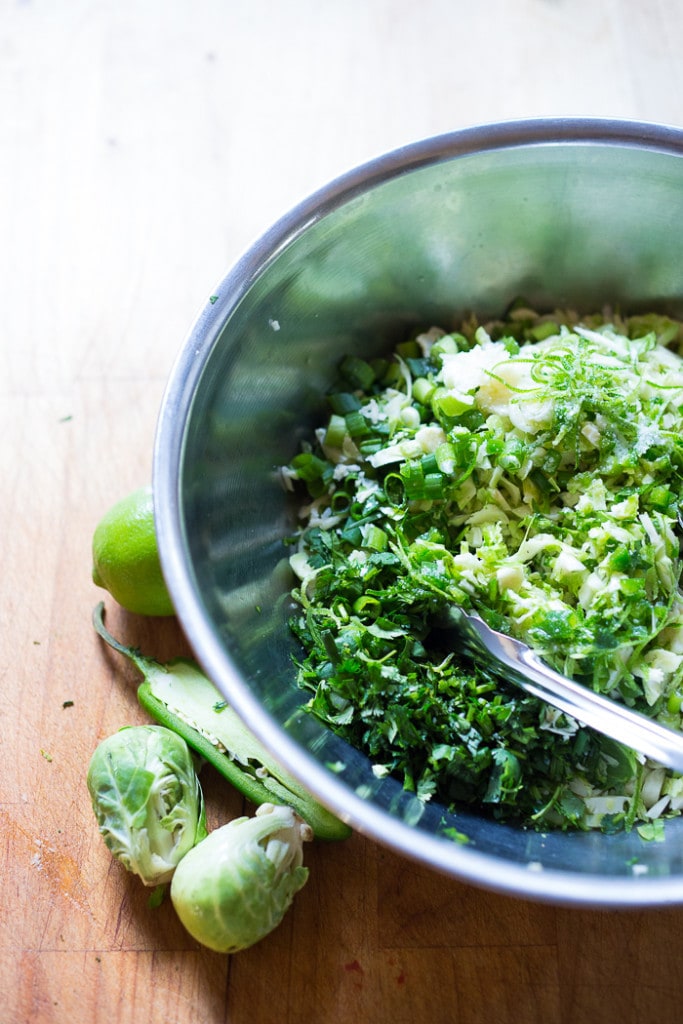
[574,213]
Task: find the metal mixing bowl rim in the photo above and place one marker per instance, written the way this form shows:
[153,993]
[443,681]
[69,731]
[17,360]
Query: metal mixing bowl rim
[462,862]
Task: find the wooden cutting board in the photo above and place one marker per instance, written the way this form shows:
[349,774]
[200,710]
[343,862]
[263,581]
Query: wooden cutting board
[142,146]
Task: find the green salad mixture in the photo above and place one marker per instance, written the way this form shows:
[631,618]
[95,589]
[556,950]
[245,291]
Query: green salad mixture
[531,469]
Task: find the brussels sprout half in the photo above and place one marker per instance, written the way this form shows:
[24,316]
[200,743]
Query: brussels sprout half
[147,800]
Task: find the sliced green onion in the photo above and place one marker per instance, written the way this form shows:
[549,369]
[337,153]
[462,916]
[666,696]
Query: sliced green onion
[423,390]
[375,537]
[409,350]
[420,485]
[393,378]
[444,456]
[357,372]
[413,479]
[379,368]
[308,466]
[433,485]
[428,463]
[370,446]
[356,424]
[418,367]
[342,402]
[336,431]
[340,502]
[394,488]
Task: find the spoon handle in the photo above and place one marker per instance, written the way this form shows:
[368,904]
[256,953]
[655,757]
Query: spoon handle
[528,671]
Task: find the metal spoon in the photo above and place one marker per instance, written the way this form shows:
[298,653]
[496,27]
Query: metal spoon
[527,670]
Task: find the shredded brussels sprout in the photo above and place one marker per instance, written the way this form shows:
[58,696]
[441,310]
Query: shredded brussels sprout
[530,469]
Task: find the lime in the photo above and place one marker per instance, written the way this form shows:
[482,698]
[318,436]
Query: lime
[126,557]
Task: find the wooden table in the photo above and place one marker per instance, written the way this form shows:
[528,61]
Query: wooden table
[142,146]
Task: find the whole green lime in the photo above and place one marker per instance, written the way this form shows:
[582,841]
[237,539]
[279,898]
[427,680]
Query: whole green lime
[126,557]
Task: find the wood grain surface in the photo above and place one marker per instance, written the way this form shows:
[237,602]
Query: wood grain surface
[143,145]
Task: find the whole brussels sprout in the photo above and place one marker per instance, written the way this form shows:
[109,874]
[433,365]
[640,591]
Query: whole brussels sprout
[235,886]
[147,800]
